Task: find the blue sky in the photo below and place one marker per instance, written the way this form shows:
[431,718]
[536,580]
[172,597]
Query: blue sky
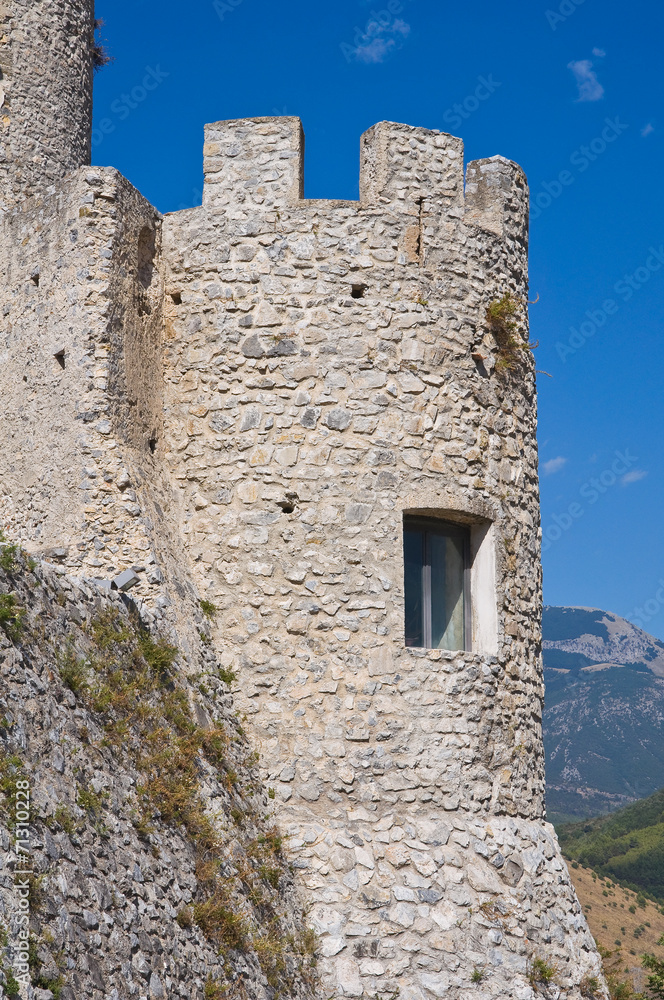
[575,97]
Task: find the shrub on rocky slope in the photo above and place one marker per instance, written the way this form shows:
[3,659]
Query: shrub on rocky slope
[128,790]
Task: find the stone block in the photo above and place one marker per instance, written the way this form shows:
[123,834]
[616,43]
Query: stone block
[125,580]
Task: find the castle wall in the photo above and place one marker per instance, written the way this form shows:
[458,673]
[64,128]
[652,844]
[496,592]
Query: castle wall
[328,366]
[81,382]
[46,57]
[241,402]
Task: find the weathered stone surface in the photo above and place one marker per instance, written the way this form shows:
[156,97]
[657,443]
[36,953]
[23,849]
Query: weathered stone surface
[46,54]
[254,391]
[113,916]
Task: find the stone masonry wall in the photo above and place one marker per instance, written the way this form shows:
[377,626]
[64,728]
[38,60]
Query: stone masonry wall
[328,366]
[45,93]
[81,383]
[116,880]
[240,401]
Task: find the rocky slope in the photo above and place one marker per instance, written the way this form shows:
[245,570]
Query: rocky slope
[625,926]
[604,711]
[128,791]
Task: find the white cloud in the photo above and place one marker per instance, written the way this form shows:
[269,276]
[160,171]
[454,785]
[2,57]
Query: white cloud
[554,465]
[648,129]
[590,89]
[600,53]
[380,40]
[633,476]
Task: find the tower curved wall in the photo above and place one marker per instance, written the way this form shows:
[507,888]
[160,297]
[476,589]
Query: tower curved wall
[329,367]
[242,402]
[46,66]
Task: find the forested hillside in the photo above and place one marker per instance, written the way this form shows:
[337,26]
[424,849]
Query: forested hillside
[628,845]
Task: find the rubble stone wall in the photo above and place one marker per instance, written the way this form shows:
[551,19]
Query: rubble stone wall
[240,402]
[81,383]
[114,889]
[46,66]
[328,366]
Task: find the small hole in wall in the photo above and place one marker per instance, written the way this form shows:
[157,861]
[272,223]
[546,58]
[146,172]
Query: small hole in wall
[357,291]
[34,278]
[25,378]
[177,298]
[479,360]
[152,444]
[288,504]
[60,358]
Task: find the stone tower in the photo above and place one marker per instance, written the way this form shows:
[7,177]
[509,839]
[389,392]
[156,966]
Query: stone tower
[334,393]
[46,62]
[298,411]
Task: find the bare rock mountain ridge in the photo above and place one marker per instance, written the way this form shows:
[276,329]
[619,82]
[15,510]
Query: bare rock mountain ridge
[604,712]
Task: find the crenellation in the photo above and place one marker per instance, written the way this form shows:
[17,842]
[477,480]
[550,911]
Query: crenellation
[254,163]
[255,393]
[412,171]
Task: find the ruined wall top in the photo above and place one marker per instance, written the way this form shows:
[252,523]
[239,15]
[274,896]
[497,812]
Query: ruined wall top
[244,402]
[46,66]
[255,165]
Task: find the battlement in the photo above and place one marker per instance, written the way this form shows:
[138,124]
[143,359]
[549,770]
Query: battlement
[256,165]
[253,162]
[255,406]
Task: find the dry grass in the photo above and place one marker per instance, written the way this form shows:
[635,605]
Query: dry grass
[132,682]
[608,909]
[11,617]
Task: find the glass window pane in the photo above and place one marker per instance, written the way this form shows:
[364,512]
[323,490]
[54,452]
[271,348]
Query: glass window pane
[446,554]
[413,561]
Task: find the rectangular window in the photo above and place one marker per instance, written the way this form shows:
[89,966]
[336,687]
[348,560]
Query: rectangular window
[436,583]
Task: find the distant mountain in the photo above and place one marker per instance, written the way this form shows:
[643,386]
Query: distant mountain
[628,845]
[604,712]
